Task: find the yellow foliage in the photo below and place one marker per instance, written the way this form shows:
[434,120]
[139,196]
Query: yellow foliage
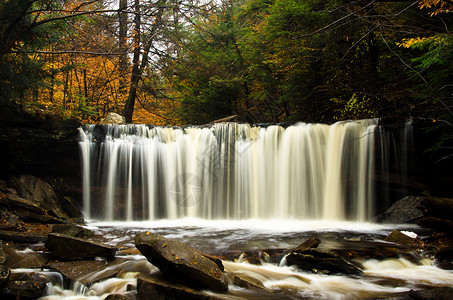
[407,43]
[439,6]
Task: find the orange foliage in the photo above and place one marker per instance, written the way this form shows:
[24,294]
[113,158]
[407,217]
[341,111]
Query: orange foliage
[88,86]
[439,6]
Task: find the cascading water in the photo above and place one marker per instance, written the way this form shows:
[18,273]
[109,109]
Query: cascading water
[230,171]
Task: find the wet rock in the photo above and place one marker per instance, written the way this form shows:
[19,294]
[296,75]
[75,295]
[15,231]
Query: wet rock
[438,293]
[12,202]
[25,285]
[441,208]
[2,254]
[26,210]
[8,228]
[358,252]
[247,282]
[39,192]
[72,230]
[22,237]
[155,286]
[120,297]
[398,237]
[439,225]
[406,210]
[445,253]
[307,258]
[321,261]
[65,247]
[17,259]
[5,272]
[256,257]
[308,244]
[86,271]
[177,259]
[72,208]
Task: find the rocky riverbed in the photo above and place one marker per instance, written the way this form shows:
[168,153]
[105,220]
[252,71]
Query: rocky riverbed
[48,251]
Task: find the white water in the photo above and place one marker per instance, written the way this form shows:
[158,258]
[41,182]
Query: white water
[229,171]
[381,279]
[291,282]
[296,284]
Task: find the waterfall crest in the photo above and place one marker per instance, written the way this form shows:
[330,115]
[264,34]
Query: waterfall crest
[229,171]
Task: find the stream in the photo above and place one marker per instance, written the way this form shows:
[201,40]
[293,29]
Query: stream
[234,241]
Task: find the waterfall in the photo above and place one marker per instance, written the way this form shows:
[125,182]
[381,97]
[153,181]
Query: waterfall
[231,171]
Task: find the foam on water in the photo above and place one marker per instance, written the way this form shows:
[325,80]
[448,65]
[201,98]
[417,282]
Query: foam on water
[253,225]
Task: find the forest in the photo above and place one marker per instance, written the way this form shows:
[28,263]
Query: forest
[172,62]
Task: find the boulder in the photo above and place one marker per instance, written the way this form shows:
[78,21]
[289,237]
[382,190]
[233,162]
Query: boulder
[22,237]
[177,259]
[155,286]
[72,208]
[398,237]
[441,208]
[14,202]
[357,252]
[321,261]
[17,259]
[406,210]
[247,282]
[308,244]
[307,258]
[72,230]
[37,191]
[86,271]
[256,257]
[437,224]
[113,118]
[437,293]
[25,286]
[127,296]
[65,247]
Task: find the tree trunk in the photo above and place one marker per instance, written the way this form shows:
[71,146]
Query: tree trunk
[122,41]
[137,67]
[128,110]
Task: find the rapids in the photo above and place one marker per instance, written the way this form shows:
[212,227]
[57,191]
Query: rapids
[381,279]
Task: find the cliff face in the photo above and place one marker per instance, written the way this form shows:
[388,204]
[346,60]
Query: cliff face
[44,147]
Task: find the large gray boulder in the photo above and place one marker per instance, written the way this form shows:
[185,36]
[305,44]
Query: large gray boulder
[177,259]
[406,210]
